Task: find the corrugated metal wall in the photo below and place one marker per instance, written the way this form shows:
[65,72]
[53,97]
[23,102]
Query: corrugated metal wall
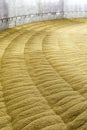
[16,12]
[75,8]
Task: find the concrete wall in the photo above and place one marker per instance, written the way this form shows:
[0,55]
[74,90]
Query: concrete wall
[16,12]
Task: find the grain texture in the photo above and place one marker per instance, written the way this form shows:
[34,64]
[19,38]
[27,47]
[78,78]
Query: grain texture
[43,76]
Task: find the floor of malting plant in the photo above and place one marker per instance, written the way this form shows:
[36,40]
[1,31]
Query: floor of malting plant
[43,76]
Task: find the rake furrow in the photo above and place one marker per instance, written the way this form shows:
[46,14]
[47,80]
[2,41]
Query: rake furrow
[43,76]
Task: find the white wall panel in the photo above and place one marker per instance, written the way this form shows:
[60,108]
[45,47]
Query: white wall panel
[3,9]
[75,8]
[24,11]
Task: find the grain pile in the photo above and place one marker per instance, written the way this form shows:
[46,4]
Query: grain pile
[43,76]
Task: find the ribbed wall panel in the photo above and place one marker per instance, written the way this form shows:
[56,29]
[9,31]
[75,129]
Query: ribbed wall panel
[16,12]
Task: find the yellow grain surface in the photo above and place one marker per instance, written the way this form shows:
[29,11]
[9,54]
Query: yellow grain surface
[43,76]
